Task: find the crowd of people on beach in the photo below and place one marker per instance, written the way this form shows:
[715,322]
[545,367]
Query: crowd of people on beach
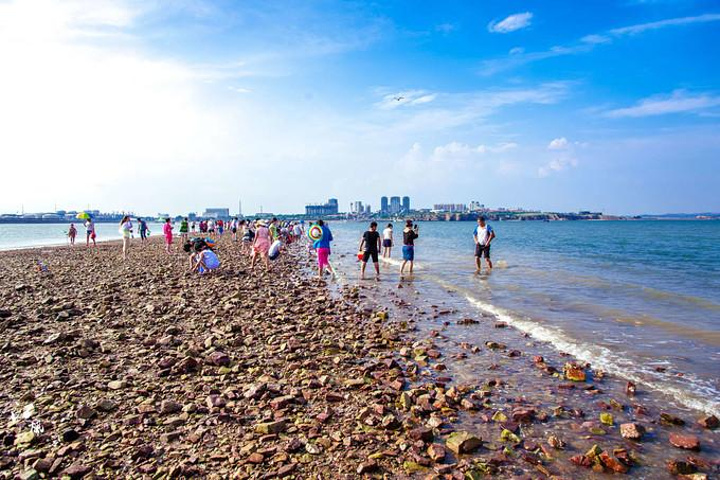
[263,241]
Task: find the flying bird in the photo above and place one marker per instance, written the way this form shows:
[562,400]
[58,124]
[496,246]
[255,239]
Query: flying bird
[399,98]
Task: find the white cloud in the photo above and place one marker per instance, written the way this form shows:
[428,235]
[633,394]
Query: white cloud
[516,50]
[587,43]
[595,39]
[557,165]
[406,99]
[511,23]
[680,101]
[458,151]
[240,90]
[558,144]
[670,22]
[445,28]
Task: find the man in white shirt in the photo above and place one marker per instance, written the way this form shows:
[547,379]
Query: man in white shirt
[483,235]
[387,242]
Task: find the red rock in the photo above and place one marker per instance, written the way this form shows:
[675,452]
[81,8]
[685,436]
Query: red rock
[215,401]
[85,413]
[421,433]
[390,363]
[168,406]
[286,470]
[397,385]
[279,403]
[711,422]
[334,397]
[187,365]
[581,461]
[76,470]
[523,415]
[256,458]
[688,442]
[436,452]
[367,467]
[219,359]
[167,362]
[612,463]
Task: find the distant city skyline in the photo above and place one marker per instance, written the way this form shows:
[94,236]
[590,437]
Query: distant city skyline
[170,106]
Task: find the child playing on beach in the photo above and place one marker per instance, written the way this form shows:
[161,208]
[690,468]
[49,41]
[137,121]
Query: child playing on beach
[248,235]
[410,233]
[144,231]
[370,246]
[90,232]
[72,233]
[387,242]
[205,260]
[261,244]
[126,232]
[167,231]
[322,247]
[184,229]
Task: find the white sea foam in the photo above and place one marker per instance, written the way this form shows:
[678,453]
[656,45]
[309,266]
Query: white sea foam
[398,263]
[703,398]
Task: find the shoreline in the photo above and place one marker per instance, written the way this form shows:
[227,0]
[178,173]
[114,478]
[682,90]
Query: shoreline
[343,387]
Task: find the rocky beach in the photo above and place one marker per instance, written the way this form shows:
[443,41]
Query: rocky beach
[140,369]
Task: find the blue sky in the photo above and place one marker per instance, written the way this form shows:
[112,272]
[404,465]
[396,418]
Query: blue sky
[175,106]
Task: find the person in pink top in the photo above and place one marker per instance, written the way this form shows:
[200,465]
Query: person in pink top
[261,244]
[167,231]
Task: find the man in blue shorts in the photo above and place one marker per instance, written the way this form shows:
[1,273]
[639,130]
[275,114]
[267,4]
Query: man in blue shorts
[410,233]
[483,235]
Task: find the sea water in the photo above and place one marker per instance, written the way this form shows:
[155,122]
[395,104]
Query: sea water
[639,299]
[27,235]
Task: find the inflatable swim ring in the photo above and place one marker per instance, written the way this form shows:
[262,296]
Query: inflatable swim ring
[315,233]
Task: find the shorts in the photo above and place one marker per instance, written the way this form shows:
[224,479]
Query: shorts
[482,251]
[323,257]
[168,239]
[387,243]
[409,253]
[220,230]
[367,255]
[234,230]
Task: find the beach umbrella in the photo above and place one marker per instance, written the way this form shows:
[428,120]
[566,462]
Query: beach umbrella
[83,216]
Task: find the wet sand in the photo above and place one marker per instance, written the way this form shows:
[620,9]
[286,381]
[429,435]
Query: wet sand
[139,369]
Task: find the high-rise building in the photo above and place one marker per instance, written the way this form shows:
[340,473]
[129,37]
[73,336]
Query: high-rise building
[216,213]
[476,206]
[383,204]
[395,205]
[368,209]
[319,210]
[406,204]
[356,207]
